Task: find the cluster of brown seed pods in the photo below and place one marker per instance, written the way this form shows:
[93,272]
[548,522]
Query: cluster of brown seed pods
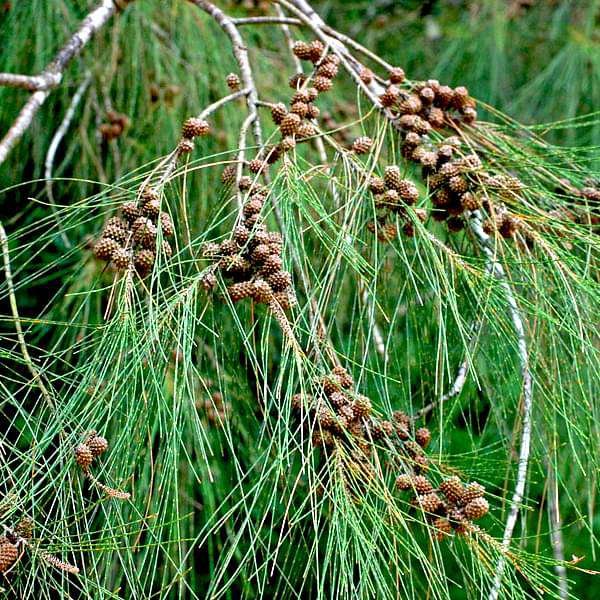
[132,239]
[251,257]
[342,421]
[86,453]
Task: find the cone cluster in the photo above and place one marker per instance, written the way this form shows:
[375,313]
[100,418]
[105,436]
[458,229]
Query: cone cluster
[86,453]
[428,105]
[393,196]
[93,447]
[451,507]
[295,118]
[215,408]
[251,257]
[131,240]
[116,124]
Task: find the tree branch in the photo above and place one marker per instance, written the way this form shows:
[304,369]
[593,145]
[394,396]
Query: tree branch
[57,138]
[496,269]
[52,75]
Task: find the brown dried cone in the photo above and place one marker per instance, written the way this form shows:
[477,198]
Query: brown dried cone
[472,491]
[256,165]
[104,248]
[458,184]
[376,185]
[144,231]
[280,281]
[143,261]
[97,444]
[397,75]
[287,143]
[429,502]
[328,70]
[392,177]
[115,229]
[421,484]
[166,224]
[305,130]
[342,375]
[322,84]
[299,108]
[366,75]
[262,291]
[442,528]
[289,124]
[316,50]
[228,175]
[278,112]
[151,209]
[83,456]
[390,96]
[362,406]
[240,291]
[423,437]
[408,191]
[452,488]
[9,554]
[185,146]
[312,111]
[476,509]
[233,82]
[404,482]
[121,259]
[302,50]
[194,127]
[130,211]
[362,145]
[208,281]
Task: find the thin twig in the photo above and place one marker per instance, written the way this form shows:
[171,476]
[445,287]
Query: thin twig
[279,20]
[37,377]
[556,538]
[53,73]
[58,136]
[496,269]
[32,83]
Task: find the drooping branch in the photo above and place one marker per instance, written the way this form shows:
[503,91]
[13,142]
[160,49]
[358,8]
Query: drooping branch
[496,269]
[56,139]
[51,77]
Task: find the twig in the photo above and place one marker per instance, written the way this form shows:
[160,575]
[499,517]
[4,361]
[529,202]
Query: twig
[29,82]
[240,53]
[171,159]
[54,72]
[17,320]
[455,389]
[279,20]
[554,523]
[496,269]
[58,136]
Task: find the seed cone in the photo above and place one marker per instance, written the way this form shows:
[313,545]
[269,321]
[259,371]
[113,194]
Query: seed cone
[83,456]
[104,248]
[97,444]
[233,81]
[195,127]
[8,554]
[362,145]
[452,488]
[289,124]
[472,491]
[476,509]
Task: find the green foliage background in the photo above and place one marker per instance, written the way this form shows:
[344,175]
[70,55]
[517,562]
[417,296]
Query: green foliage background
[233,510]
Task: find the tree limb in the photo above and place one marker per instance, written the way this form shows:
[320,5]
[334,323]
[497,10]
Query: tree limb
[52,75]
